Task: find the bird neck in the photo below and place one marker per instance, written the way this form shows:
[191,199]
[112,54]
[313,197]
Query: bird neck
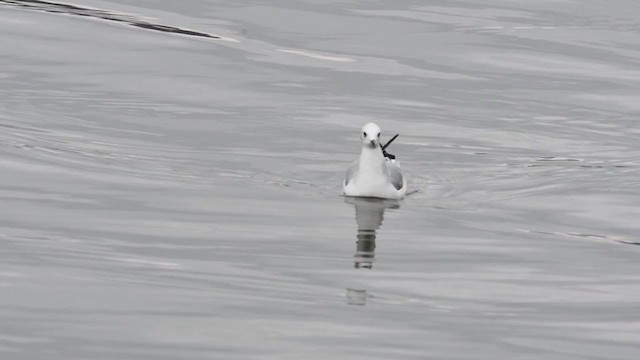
[371,159]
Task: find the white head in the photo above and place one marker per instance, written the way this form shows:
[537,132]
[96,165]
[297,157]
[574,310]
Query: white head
[370,135]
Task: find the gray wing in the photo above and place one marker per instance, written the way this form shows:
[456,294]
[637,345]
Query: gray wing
[395,174]
[352,171]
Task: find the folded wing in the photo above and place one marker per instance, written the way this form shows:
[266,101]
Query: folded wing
[395,174]
[352,171]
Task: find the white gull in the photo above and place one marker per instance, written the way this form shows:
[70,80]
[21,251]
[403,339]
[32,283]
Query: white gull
[374,175]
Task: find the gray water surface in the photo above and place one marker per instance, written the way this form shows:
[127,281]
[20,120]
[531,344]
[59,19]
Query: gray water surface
[165,195]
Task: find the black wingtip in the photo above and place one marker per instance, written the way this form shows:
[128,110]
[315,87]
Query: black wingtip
[384,151]
[390,141]
[388,156]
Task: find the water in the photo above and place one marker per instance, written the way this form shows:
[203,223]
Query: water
[168,195]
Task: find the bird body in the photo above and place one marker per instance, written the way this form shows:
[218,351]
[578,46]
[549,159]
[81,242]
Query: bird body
[374,175]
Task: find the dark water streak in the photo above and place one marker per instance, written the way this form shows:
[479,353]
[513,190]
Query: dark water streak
[62,8]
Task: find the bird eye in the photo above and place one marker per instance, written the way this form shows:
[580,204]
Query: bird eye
[378,134]
[364,134]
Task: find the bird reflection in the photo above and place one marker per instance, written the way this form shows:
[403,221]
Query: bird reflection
[369,216]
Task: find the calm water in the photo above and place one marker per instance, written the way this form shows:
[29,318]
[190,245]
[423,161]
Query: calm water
[170,180]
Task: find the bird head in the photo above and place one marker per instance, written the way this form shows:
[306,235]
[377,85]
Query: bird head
[370,135]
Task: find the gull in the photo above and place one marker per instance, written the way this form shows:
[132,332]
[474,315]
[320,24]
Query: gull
[377,174]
